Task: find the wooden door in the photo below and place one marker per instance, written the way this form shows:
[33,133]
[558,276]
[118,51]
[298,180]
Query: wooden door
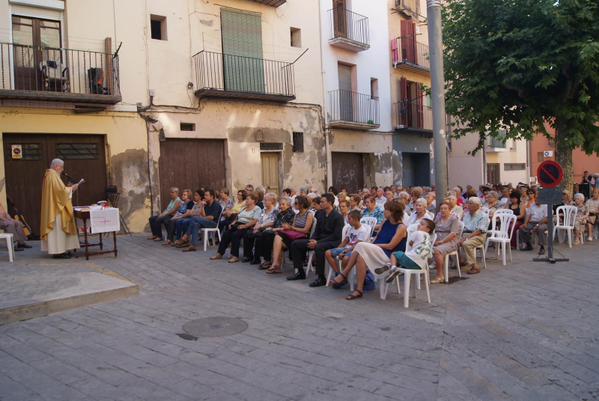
[346,94]
[271,176]
[348,171]
[191,163]
[84,157]
[243,64]
[493,173]
[340,21]
[36,41]
[408,41]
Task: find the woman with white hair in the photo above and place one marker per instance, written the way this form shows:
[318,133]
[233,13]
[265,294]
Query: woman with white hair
[266,221]
[419,213]
[582,214]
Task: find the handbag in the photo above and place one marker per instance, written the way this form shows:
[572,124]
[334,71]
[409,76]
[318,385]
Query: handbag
[292,235]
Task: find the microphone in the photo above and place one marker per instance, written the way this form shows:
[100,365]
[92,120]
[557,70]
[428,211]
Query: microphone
[68,177]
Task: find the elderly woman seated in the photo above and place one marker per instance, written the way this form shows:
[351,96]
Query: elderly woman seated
[266,222]
[235,231]
[448,237]
[419,213]
[298,229]
[14,227]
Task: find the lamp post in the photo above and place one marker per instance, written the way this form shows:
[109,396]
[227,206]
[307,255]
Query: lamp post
[435,40]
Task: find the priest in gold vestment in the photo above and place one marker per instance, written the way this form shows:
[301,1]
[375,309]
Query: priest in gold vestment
[58,229]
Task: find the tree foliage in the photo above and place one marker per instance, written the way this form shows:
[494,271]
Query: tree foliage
[516,65]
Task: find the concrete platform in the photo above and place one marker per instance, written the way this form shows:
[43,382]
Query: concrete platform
[34,286]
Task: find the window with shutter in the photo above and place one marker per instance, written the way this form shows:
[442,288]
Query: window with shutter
[243,65]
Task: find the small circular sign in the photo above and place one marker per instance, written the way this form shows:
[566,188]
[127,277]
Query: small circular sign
[550,174]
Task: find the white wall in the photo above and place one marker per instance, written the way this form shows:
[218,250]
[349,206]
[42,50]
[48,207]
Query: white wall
[371,63]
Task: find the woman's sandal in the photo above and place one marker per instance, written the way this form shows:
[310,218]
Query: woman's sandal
[338,284]
[353,295]
[274,270]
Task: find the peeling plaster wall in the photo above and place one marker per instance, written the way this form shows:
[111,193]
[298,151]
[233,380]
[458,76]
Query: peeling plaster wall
[125,150]
[377,147]
[244,126]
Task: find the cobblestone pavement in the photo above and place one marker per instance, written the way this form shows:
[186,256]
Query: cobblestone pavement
[527,331]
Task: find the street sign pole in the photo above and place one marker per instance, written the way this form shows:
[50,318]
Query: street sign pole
[550,174]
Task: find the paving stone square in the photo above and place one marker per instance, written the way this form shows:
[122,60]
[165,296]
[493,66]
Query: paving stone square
[526,331]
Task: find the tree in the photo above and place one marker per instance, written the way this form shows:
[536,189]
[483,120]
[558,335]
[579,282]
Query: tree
[516,65]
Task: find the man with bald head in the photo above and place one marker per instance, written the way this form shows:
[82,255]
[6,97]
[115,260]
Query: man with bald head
[57,227]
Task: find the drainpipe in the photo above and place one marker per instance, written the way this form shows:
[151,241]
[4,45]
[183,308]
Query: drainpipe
[326,130]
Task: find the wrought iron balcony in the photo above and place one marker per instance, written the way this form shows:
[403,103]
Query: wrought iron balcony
[410,9]
[62,75]
[349,30]
[228,76]
[410,54]
[273,3]
[352,110]
[413,115]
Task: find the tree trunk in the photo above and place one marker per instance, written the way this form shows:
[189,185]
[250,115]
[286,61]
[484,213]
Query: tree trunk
[563,155]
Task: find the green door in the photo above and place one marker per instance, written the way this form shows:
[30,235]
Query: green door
[243,66]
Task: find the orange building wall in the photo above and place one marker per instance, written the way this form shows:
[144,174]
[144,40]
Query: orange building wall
[581,160]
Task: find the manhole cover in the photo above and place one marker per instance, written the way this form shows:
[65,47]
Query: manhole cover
[217,326]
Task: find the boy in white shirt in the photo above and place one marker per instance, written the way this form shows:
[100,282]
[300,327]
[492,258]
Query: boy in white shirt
[418,250]
[357,232]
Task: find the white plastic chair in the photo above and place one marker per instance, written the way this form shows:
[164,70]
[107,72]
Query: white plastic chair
[206,232]
[369,221]
[455,254]
[565,220]
[9,245]
[310,267]
[407,278]
[502,229]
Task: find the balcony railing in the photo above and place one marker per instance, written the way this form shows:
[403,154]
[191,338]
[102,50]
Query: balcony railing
[52,74]
[407,52]
[226,75]
[409,8]
[412,115]
[349,30]
[348,109]
[273,3]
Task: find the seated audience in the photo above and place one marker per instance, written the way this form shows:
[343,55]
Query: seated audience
[448,237]
[263,244]
[344,210]
[593,210]
[298,229]
[391,238]
[265,222]
[14,227]
[372,210]
[474,235]
[356,232]
[582,214]
[162,219]
[535,222]
[419,213]
[235,231]
[206,218]
[329,226]
[418,250]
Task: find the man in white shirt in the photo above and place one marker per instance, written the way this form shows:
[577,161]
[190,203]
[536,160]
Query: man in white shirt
[534,222]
